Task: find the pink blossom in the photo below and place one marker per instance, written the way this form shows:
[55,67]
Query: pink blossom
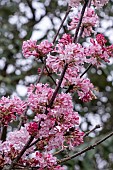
[41,97]
[58,120]
[74,3]
[71,75]
[99,3]
[56,141]
[85,89]
[97,51]
[45,47]
[70,53]
[109,50]
[65,39]
[76,140]
[43,160]
[32,128]
[30,48]
[90,20]
[9,108]
[14,143]
[101,39]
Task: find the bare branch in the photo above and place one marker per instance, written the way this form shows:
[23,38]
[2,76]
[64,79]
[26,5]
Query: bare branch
[86,149]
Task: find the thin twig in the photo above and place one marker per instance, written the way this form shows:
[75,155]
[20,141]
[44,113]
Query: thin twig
[49,74]
[86,70]
[20,123]
[67,12]
[58,86]
[80,34]
[37,140]
[92,130]
[86,149]
[56,153]
[72,85]
[42,71]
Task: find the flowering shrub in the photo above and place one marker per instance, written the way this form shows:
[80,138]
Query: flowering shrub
[55,124]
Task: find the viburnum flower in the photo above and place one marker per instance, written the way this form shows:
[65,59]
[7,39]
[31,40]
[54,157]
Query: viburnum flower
[98,51]
[96,3]
[30,48]
[75,139]
[65,39]
[66,53]
[109,50]
[63,110]
[45,47]
[9,108]
[74,3]
[82,86]
[101,39]
[14,143]
[44,161]
[54,123]
[40,99]
[99,3]
[85,89]
[90,20]
[32,128]
[71,75]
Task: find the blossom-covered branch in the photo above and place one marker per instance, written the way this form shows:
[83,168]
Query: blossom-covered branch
[55,124]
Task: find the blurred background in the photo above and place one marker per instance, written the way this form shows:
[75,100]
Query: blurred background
[38,20]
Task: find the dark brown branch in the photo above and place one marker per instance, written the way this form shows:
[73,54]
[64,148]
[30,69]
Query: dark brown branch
[49,74]
[80,21]
[3,133]
[58,86]
[86,70]
[37,140]
[86,149]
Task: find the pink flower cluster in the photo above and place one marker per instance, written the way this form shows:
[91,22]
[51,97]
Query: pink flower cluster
[89,21]
[54,126]
[52,129]
[85,89]
[76,56]
[96,3]
[59,119]
[98,50]
[44,161]
[10,108]
[14,143]
[40,99]
[30,48]
[66,53]
[32,128]
[74,3]
[99,3]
